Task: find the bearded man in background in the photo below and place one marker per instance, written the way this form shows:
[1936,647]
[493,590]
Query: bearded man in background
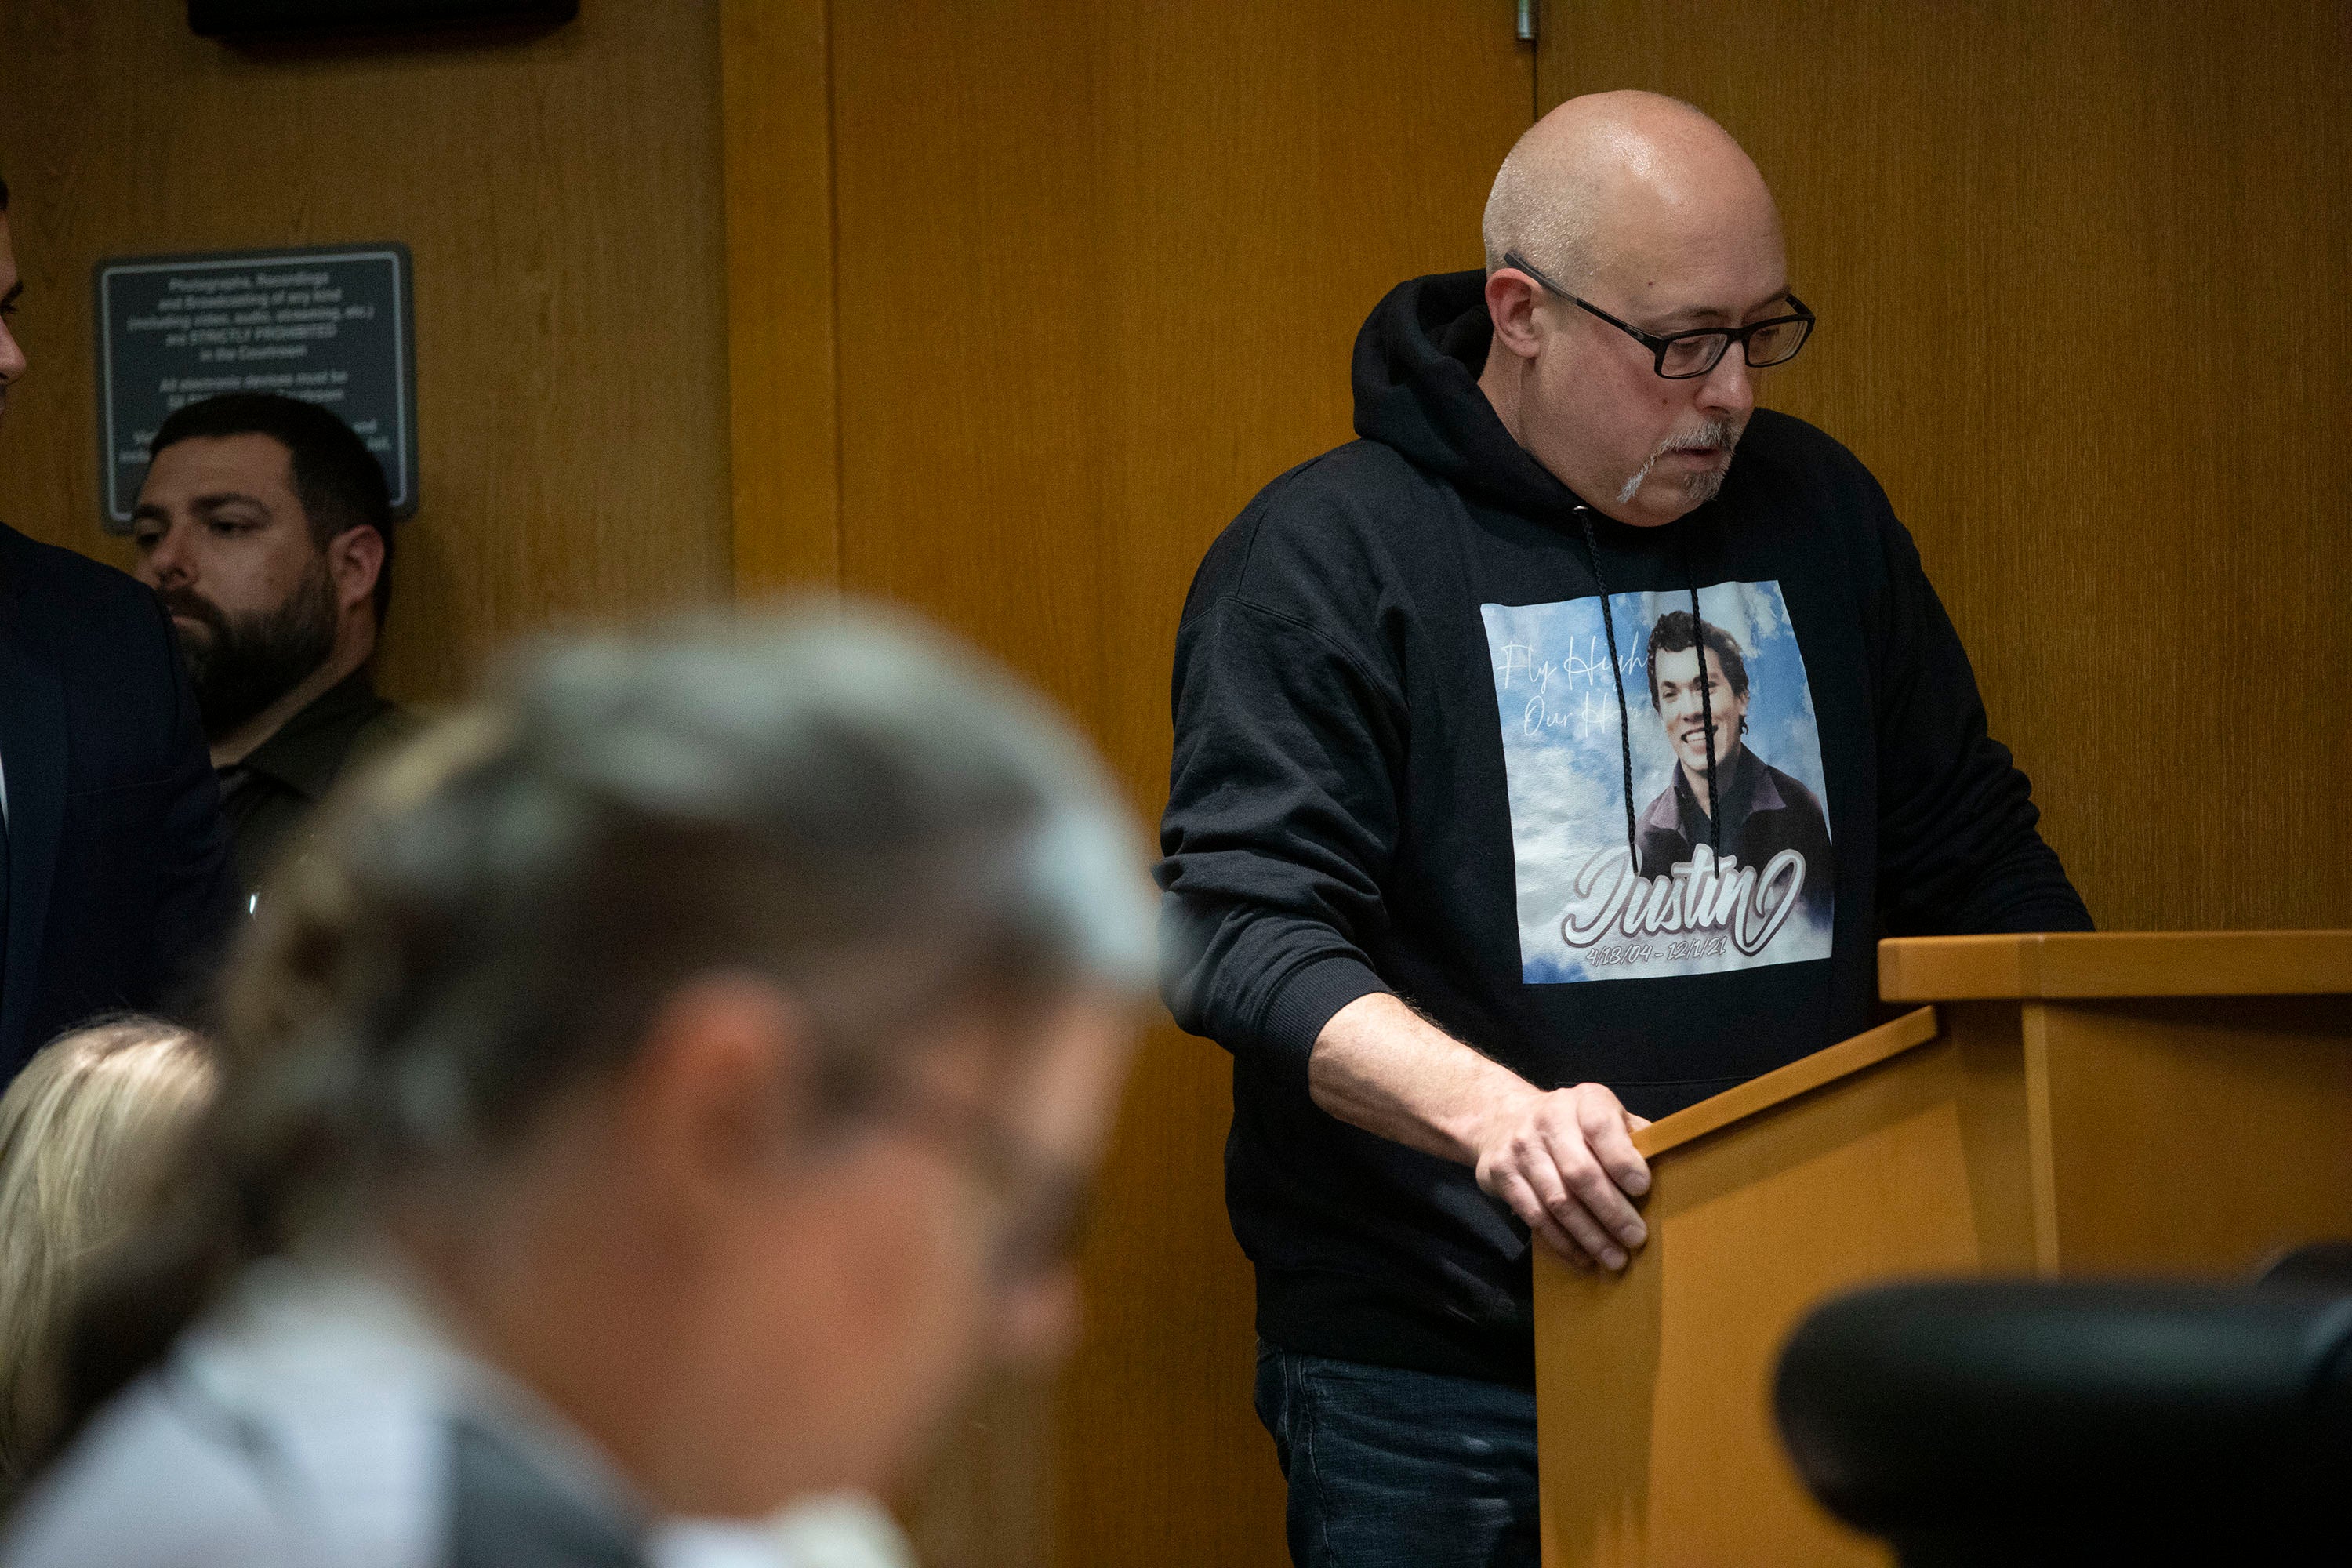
[266,525]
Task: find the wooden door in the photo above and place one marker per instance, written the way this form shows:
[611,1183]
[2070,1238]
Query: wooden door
[2081,271]
[1095,270]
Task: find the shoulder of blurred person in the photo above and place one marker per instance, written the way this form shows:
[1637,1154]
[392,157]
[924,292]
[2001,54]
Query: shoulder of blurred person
[321,1416]
[323,1412]
[148,1488]
[119,885]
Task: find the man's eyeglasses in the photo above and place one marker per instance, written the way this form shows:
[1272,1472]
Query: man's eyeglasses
[1045,1202]
[1685,356]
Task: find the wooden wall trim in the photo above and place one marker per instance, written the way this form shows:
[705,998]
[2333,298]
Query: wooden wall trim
[2041,1136]
[775,69]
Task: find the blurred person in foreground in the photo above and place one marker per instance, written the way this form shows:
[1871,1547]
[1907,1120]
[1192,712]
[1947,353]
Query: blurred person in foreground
[265,525]
[661,1090]
[116,889]
[86,1131]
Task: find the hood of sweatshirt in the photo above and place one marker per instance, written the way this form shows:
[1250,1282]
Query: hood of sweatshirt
[1416,382]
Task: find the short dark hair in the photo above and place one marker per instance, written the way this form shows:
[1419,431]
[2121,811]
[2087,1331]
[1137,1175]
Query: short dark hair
[4,195]
[1673,634]
[338,480]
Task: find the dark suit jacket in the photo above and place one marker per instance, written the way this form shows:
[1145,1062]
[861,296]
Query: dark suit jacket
[120,889]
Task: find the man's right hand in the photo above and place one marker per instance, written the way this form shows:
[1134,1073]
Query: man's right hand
[1562,1159]
[1564,1162]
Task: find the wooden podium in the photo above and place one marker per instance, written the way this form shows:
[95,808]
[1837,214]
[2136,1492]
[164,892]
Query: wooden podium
[2169,1102]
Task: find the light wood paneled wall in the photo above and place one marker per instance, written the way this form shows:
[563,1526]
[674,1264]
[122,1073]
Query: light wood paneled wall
[784,397]
[2080,270]
[562,194]
[1097,268]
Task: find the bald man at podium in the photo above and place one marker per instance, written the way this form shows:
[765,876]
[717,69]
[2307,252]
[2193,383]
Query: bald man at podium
[1406,882]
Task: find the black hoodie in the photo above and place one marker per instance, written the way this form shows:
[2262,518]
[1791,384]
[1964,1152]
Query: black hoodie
[1401,764]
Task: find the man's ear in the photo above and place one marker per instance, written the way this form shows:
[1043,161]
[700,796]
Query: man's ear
[716,1094]
[355,559]
[1511,299]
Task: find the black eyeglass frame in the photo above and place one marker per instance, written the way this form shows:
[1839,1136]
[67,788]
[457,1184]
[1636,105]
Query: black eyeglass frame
[1658,346]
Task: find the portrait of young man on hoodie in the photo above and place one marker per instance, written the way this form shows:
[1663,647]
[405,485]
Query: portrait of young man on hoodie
[1764,811]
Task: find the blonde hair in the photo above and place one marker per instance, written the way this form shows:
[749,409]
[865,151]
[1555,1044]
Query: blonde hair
[86,1133]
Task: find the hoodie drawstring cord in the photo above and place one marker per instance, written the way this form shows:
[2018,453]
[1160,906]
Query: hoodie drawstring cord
[1706,714]
[1617,672]
[1625,725]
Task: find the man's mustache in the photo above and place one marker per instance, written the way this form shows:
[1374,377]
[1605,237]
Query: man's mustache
[1718,433]
[194,606]
[1714,433]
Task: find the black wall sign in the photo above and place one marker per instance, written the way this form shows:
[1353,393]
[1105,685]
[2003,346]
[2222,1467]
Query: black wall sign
[332,324]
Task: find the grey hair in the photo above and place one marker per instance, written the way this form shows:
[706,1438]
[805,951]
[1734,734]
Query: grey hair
[842,803]
[485,924]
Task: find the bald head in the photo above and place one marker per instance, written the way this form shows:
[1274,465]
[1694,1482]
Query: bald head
[1610,180]
[1648,214]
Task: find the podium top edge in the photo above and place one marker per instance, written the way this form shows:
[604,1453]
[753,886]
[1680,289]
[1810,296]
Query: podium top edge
[2083,965]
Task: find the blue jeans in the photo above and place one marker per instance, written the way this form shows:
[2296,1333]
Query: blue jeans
[1404,1469]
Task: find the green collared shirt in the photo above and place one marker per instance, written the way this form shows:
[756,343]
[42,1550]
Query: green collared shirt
[269,796]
